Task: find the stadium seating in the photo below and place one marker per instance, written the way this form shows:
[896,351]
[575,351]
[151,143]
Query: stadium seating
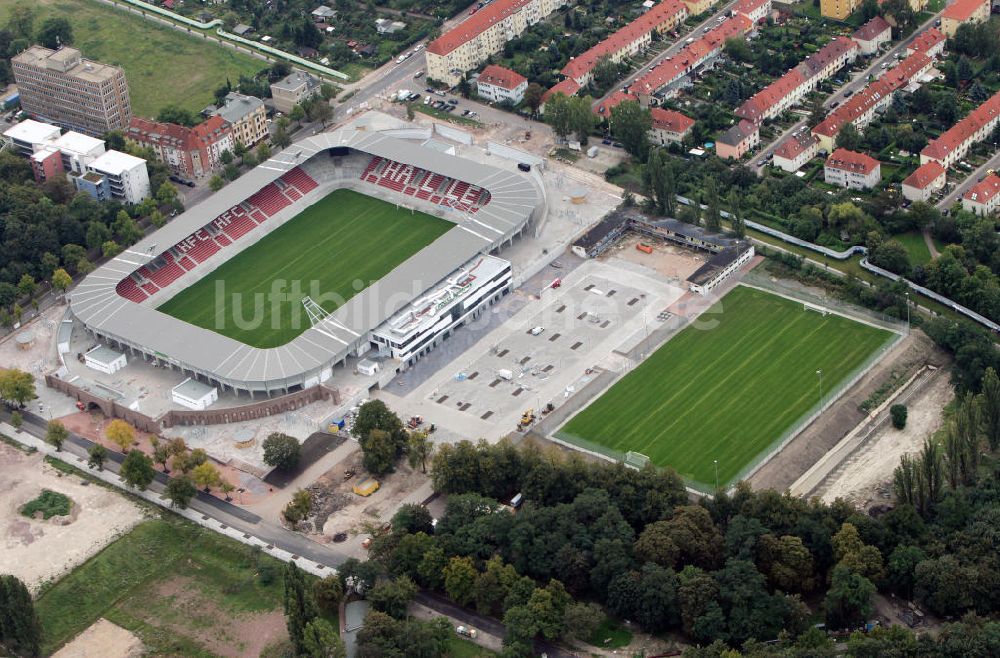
[424,184]
[300,180]
[128,289]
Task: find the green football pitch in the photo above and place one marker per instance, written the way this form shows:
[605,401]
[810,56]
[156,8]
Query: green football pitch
[727,392]
[341,240]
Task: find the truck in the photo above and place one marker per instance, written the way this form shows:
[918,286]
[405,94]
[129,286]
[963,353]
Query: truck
[402,94]
[465,631]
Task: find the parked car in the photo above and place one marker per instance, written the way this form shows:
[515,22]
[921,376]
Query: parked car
[453,101]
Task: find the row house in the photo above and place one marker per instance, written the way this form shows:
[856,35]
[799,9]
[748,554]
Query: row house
[755,10]
[873,35]
[955,142]
[471,42]
[930,42]
[983,198]
[962,12]
[669,126]
[628,41]
[860,109]
[852,170]
[925,181]
[790,88]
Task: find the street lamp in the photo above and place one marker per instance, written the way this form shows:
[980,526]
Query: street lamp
[716,474]
[820,373]
[907,309]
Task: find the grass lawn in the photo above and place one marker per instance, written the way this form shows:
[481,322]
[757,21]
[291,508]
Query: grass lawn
[344,238]
[49,503]
[185,590]
[610,635]
[727,387]
[915,246]
[462,648]
[163,65]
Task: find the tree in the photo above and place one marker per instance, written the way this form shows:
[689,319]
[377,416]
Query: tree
[297,114]
[849,600]
[713,214]
[96,456]
[17,386]
[419,450]
[581,620]
[320,111]
[26,287]
[110,248]
[205,476]
[21,21]
[375,415]
[898,413]
[157,219]
[20,631]
[989,405]
[216,183]
[379,453]
[300,608]
[137,470]
[851,552]
[281,139]
[630,124]
[460,579]
[849,138]
[605,74]
[319,640]
[61,280]
[56,433]
[226,487]
[16,420]
[298,507]
[180,490]
[328,592]
[162,452]
[533,96]
[412,518]
[120,433]
[410,115]
[55,32]
[393,596]
[174,114]
[281,451]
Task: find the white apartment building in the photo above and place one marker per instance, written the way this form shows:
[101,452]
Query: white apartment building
[118,175]
[500,84]
[852,170]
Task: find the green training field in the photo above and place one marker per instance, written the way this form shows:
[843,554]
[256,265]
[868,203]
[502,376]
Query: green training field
[342,239]
[730,391]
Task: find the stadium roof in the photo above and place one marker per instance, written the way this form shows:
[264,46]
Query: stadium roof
[95,302]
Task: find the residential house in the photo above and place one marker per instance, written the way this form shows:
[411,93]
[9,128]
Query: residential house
[755,10]
[738,140]
[28,136]
[189,152]
[795,151]
[855,171]
[247,117]
[954,143]
[51,153]
[696,7]
[61,87]
[468,44]
[983,198]
[930,42]
[293,89]
[925,181]
[838,9]
[500,84]
[872,35]
[669,127]
[961,12]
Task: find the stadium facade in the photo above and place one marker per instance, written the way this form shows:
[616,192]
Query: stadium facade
[417,303]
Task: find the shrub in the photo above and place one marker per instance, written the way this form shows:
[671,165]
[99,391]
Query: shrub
[49,503]
[898,413]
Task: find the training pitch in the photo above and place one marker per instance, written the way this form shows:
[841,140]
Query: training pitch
[336,247]
[730,391]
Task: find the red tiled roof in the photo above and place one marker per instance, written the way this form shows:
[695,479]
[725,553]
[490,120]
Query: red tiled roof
[961,10]
[145,130]
[581,65]
[984,190]
[795,145]
[861,102]
[501,77]
[955,136]
[689,56]
[871,29]
[755,107]
[926,40]
[747,7]
[671,121]
[738,134]
[613,100]
[211,129]
[567,86]
[475,25]
[924,175]
[837,47]
[851,161]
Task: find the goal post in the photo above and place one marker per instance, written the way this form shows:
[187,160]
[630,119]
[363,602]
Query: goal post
[636,460]
[806,306]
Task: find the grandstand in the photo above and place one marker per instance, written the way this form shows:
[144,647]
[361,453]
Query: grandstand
[117,303]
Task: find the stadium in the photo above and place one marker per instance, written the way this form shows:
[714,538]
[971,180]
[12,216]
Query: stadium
[399,238]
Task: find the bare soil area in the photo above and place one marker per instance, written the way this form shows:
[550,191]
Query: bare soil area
[183,609]
[38,551]
[826,431]
[865,476]
[673,262]
[102,640]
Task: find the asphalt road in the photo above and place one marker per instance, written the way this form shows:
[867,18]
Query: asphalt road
[854,85]
[670,51]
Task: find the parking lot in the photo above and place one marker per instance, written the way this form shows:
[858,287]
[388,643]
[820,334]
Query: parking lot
[555,344]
